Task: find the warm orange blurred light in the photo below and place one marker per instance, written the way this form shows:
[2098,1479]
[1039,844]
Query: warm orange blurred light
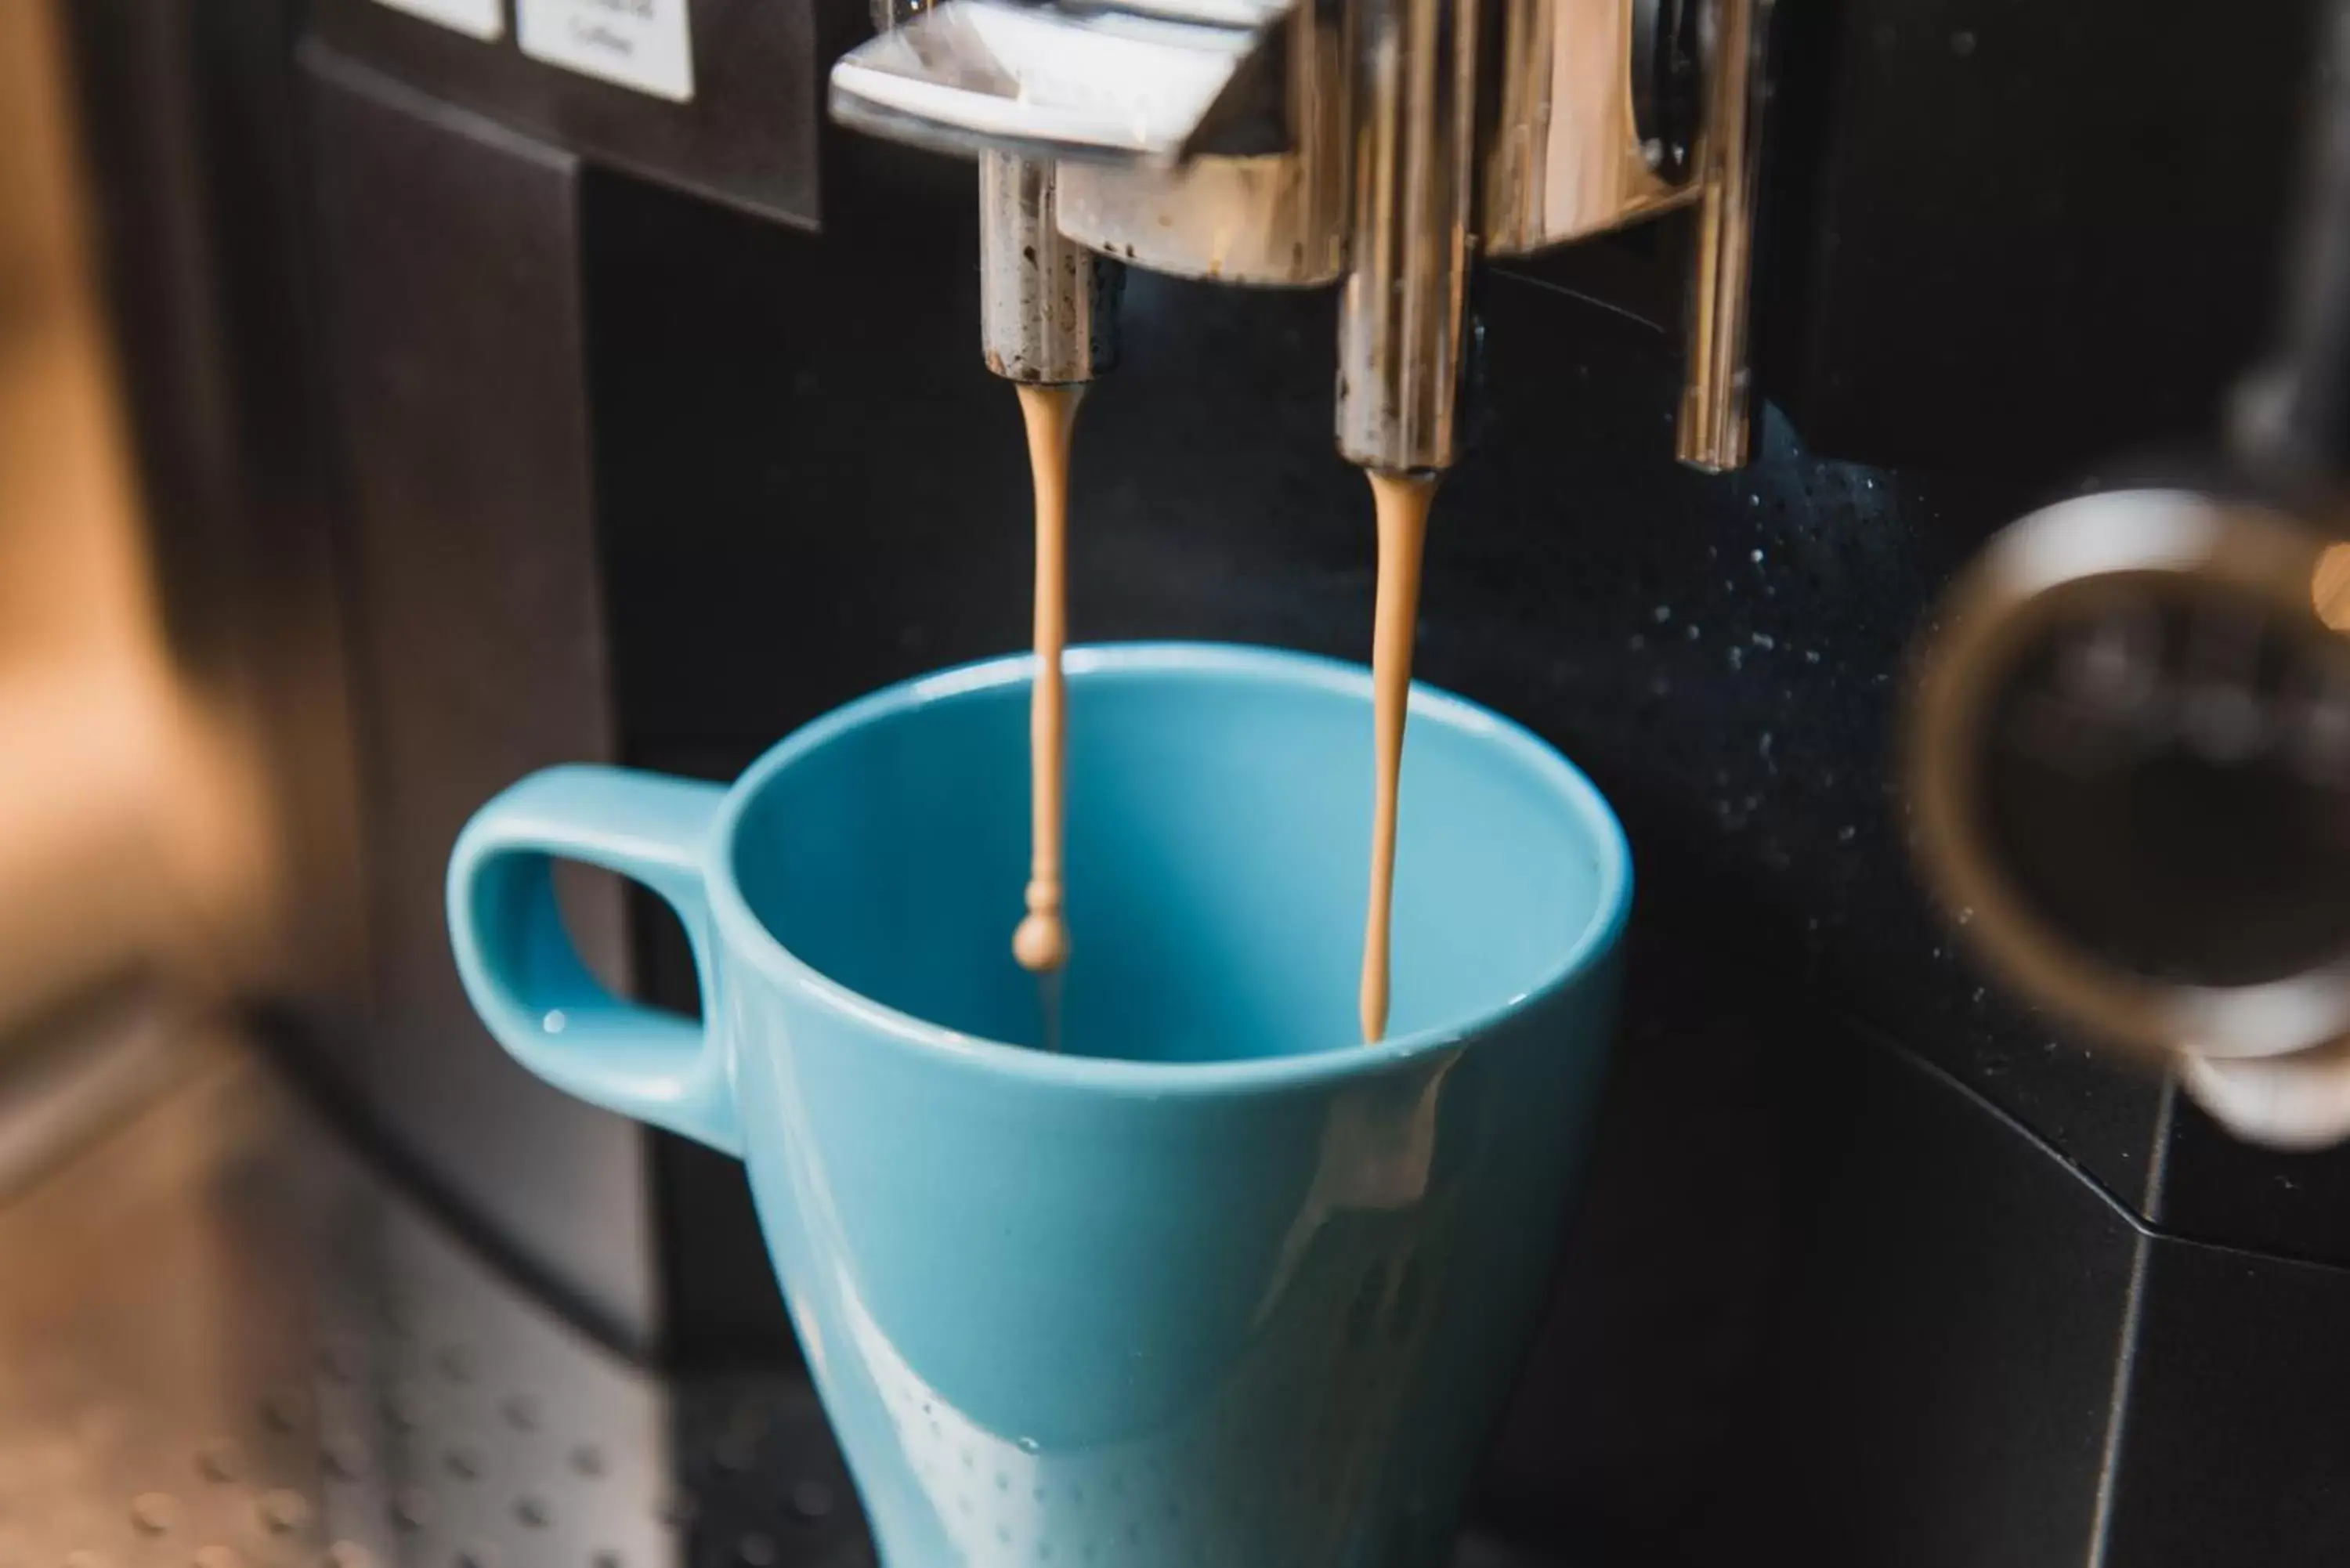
[2329,587]
[129,833]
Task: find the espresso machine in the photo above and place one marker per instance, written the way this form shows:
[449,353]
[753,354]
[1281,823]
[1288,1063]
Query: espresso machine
[515,382]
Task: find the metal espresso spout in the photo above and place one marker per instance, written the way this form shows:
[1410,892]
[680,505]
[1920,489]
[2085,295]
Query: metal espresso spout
[1048,306]
[1297,142]
[1403,313]
[1717,420]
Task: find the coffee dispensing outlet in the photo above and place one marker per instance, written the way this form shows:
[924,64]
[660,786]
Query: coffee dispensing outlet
[2128,759]
[1381,144]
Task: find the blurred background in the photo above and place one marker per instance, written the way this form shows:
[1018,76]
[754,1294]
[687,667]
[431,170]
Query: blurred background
[133,846]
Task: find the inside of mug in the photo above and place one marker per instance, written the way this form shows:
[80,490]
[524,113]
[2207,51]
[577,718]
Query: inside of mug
[1218,850]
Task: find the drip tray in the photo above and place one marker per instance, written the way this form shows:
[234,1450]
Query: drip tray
[226,1342]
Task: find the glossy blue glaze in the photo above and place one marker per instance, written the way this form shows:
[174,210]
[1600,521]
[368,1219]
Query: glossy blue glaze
[1217,1284]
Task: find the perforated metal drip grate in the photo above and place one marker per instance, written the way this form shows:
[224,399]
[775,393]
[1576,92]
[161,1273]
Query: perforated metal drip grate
[226,1343]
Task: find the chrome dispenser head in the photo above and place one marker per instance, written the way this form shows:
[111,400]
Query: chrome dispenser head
[1403,313]
[1384,141]
[1149,82]
[1048,305]
[1277,217]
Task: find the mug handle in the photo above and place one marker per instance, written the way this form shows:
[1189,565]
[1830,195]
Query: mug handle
[524,978]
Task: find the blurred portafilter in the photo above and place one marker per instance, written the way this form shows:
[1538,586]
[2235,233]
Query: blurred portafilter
[2128,748]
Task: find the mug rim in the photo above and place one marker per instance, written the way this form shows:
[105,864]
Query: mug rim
[744,936]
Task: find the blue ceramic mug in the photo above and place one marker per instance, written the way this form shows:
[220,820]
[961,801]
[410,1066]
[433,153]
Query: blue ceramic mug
[1216,1284]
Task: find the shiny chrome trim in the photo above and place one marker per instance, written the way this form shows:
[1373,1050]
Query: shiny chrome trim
[1402,316]
[1567,156]
[1275,218]
[1120,85]
[1714,430]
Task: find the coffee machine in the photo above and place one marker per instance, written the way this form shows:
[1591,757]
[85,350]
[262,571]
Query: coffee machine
[525,381]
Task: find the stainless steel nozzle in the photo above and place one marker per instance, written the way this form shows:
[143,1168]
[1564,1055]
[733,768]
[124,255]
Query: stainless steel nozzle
[1402,317]
[1048,306]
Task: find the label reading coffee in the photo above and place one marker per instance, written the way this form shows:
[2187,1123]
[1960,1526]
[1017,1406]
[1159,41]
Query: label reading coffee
[483,19]
[641,44]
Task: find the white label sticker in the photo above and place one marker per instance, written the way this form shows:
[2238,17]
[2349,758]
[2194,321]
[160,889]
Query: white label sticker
[641,44]
[483,19]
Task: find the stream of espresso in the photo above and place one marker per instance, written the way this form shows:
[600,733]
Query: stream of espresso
[1402,501]
[1042,942]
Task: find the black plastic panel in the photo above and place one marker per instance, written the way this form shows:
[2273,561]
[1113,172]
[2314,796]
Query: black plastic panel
[1954,1354]
[2007,1368]
[748,137]
[2233,1446]
[449,249]
[2007,236]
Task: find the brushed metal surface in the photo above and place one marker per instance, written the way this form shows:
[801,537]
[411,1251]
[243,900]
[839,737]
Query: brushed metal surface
[224,1341]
